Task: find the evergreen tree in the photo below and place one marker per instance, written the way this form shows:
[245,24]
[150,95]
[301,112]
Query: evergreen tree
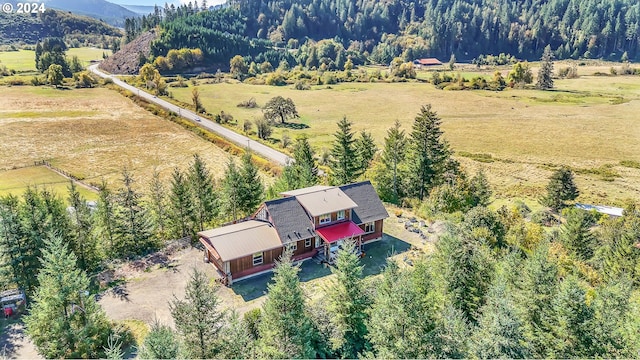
[402,322]
[571,326]
[105,222]
[575,234]
[428,153]
[157,204]
[537,289]
[365,151]
[344,162]
[65,321]
[84,244]
[160,343]
[236,341]
[34,219]
[232,190]
[451,334]
[132,229]
[617,255]
[251,187]
[197,318]
[285,329]
[348,303]
[181,211]
[479,190]
[561,188]
[466,269]
[500,333]
[204,196]
[18,264]
[612,311]
[305,163]
[388,176]
[545,80]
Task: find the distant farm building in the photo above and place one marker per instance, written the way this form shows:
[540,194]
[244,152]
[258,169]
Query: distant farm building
[419,63]
[607,210]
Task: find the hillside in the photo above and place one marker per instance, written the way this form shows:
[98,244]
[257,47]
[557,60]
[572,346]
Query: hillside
[127,60]
[111,13]
[382,30]
[52,23]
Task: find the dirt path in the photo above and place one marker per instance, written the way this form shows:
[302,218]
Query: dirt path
[14,344]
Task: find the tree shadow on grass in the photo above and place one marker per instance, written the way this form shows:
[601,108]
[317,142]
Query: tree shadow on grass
[292,126]
[11,336]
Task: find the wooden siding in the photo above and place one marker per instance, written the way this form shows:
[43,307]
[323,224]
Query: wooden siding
[246,263]
[334,218]
[301,249]
[377,232]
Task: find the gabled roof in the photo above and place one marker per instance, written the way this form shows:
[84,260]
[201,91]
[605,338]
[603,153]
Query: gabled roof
[305,190]
[343,230]
[242,239]
[290,220]
[325,201]
[370,207]
[428,61]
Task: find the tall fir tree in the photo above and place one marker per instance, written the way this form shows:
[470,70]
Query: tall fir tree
[105,223]
[84,244]
[232,190]
[500,333]
[132,231]
[305,163]
[198,319]
[365,150]
[545,74]
[388,176]
[575,234]
[236,341]
[251,187]
[614,325]
[348,303]
[344,158]
[157,204]
[34,224]
[160,343]
[18,264]
[285,329]
[571,326]
[561,188]
[181,211]
[65,321]
[428,153]
[204,195]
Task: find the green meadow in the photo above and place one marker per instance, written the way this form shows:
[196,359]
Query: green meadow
[24,60]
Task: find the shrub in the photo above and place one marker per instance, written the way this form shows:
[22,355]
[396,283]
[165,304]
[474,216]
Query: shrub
[302,85]
[249,104]
[264,128]
[543,217]
[223,118]
[246,126]
[107,81]
[285,141]
[276,79]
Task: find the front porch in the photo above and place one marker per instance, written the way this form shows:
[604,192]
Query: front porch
[333,237]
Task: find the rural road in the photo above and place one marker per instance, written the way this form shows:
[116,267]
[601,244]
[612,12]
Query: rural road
[240,140]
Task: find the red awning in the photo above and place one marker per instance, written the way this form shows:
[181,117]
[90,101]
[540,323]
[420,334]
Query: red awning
[340,231]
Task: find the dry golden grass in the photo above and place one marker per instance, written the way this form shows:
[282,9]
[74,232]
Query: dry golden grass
[93,134]
[584,123]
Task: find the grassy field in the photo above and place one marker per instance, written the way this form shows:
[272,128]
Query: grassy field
[92,134]
[589,123]
[17,180]
[24,60]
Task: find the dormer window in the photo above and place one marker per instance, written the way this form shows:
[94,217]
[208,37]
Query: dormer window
[325,219]
[340,215]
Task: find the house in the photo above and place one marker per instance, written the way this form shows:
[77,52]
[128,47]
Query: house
[419,63]
[310,221]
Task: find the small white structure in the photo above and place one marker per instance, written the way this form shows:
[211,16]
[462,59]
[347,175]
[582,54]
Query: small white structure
[608,210]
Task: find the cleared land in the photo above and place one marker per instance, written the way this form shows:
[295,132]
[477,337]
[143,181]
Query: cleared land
[24,60]
[15,181]
[92,134]
[518,136]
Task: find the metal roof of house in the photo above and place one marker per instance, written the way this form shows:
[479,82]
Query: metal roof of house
[344,230]
[305,190]
[429,61]
[325,201]
[609,210]
[370,208]
[242,239]
[290,220]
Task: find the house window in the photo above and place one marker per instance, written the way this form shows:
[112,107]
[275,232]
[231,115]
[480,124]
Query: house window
[318,241]
[341,215]
[257,258]
[325,219]
[292,246]
[369,227]
[307,243]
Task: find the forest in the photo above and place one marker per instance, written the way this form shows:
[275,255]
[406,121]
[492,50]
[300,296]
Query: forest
[410,29]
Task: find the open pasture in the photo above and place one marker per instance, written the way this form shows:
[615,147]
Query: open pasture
[17,180]
[92,134]
[589,123]
[24,60]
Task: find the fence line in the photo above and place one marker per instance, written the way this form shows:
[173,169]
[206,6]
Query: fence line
[65,174]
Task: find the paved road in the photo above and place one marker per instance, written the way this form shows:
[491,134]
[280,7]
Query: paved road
[241,140]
